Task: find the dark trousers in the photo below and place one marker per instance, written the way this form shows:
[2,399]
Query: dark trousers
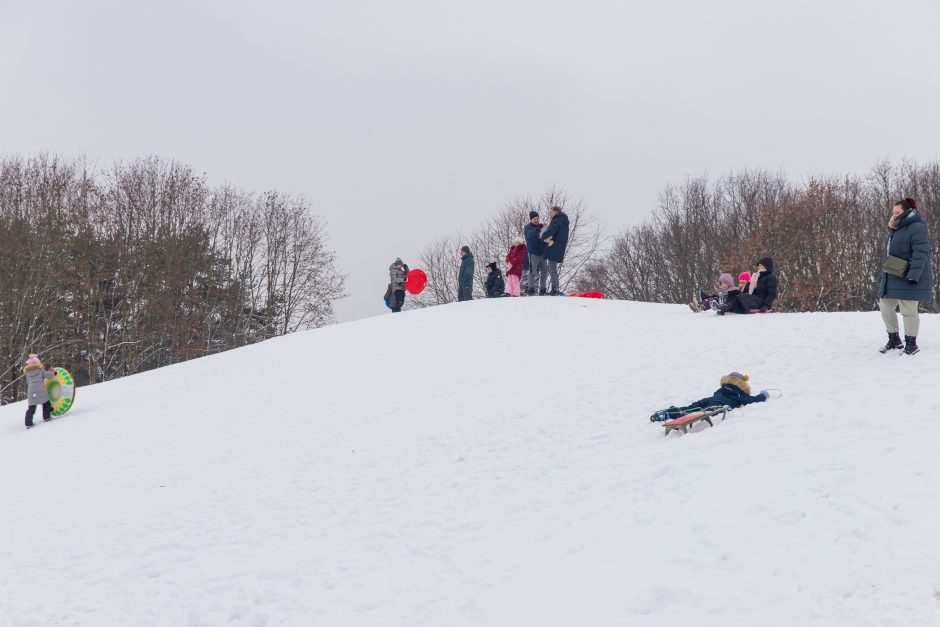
[464,292]
[398,299]
[678,412]
[46,413]
[746,302]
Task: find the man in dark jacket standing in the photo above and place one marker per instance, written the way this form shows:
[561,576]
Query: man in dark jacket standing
[465,275]
[555,238]
[535,250]
[906,278]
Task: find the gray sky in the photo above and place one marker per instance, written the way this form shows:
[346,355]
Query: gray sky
[402,121]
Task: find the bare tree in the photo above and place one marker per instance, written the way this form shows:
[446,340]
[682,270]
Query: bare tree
[142,265]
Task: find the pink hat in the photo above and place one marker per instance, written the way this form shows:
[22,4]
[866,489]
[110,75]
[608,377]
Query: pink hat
[33,360]
[744,276]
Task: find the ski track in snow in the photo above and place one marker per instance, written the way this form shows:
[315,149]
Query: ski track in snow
[489,463]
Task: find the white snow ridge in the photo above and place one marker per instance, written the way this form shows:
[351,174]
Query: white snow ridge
[489,463]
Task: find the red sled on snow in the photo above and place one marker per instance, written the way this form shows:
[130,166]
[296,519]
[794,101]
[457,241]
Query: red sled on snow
[587,294]
[684,423]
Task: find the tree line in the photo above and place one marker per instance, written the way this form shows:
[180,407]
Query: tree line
[826,235]
[111,272]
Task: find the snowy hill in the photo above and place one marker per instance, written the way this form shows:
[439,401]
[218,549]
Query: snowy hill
[489,463]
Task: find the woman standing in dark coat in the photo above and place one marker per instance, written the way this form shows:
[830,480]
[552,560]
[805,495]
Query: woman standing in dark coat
[906,278]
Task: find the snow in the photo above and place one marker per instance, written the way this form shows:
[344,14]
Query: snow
[489,463]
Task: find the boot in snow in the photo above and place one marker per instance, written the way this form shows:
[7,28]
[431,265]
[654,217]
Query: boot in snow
[542,291]
[694,306]
[894,343]
[910,345]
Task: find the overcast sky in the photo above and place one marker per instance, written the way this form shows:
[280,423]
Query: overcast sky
[404,120]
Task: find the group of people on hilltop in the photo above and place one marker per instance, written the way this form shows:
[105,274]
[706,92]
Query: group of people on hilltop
[533,260]
[755,292]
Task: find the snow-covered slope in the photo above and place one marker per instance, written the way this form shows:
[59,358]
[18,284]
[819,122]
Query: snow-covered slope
[489,463]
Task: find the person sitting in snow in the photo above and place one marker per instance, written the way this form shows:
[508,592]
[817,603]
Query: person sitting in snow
[762,290]
[734,392]
[36,393]
[495,286]
[712,301]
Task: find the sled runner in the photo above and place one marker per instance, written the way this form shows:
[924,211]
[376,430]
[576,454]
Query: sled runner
[684,423]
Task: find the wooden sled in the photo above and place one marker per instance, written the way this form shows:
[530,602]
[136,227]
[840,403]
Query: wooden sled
[684,423]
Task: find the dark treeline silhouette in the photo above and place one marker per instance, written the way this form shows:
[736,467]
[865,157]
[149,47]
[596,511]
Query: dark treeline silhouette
[116,271]
[826,236]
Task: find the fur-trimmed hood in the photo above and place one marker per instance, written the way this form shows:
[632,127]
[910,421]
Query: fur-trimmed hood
[32,367]
[738,380]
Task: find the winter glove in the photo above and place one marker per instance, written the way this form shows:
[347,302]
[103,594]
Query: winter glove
[765,395]
[549,241]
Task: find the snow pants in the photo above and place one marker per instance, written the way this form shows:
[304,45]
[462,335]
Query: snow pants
[46,413]
[678,412]
[398,300]
[908,312]
[538,272]
[464,292]
[512,284]
[553,272]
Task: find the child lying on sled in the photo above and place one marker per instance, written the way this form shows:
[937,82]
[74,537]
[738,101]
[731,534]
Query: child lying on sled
[734,392]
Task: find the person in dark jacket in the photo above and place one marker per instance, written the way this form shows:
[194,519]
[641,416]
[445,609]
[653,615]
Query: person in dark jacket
[762,290]
[555,237]
[36,392]
[398,276]
[903,288]
[465,275]
[495,285]
[535,250]
[734,392]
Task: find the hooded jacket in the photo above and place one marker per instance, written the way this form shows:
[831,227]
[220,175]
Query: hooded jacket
[557,231]
[398,276]
[36,377]
[765,292]
[909,242]
[495,285]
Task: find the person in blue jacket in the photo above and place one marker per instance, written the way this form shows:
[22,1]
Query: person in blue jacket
[555,237]
[535,249]
[904,287]
[734,392]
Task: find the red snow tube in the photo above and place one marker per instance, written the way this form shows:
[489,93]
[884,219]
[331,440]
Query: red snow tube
[587,294]
[417,279]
